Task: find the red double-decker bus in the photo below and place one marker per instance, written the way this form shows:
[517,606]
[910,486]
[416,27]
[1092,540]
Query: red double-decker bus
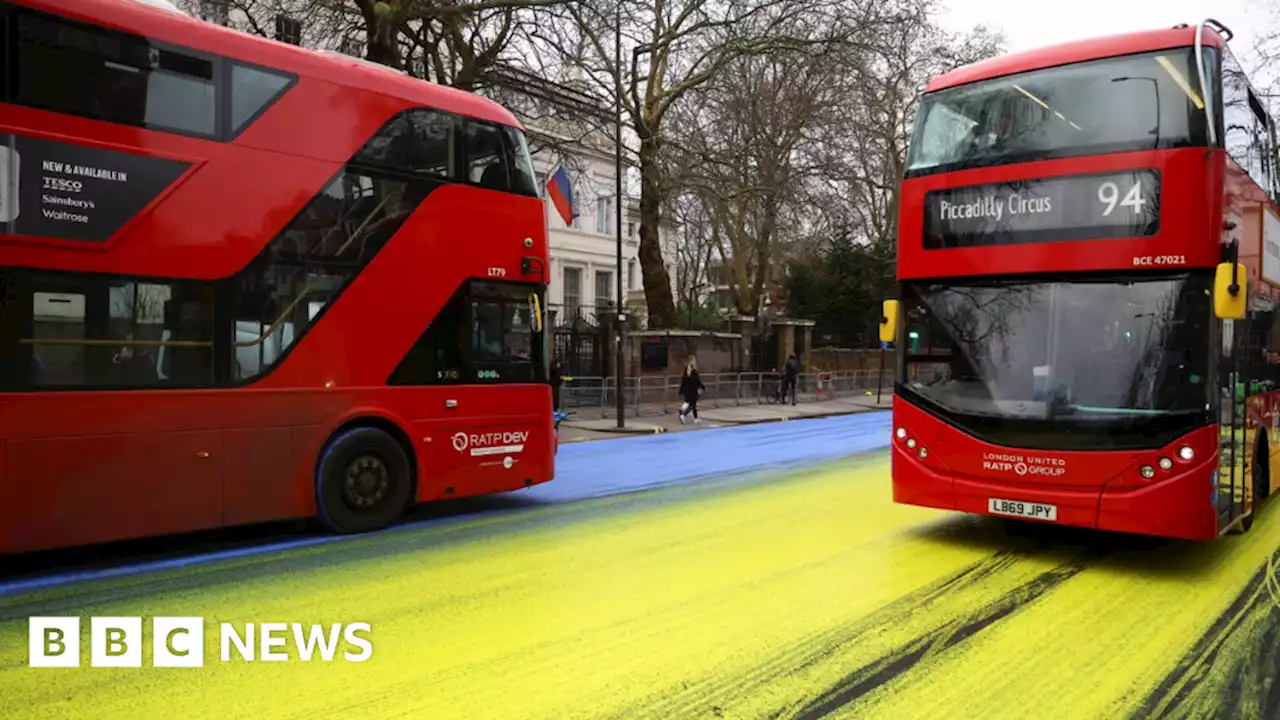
[1088,261]
[243,282]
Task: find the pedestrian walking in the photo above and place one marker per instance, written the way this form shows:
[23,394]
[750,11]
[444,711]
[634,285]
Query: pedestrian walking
[690,388]
[791,378]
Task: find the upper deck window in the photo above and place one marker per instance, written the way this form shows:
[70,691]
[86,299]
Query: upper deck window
[522,173]
[5,11]
[70,67]
[252,90]
[418,143]
[1136,102]
[1246,128]
[498,158]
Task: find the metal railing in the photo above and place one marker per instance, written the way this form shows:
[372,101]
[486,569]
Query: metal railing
[649,396]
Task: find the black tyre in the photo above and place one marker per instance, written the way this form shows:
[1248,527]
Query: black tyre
[1259,481]
[1261,472]
[363,481]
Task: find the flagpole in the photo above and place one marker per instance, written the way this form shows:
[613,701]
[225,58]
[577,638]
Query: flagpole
[621,314]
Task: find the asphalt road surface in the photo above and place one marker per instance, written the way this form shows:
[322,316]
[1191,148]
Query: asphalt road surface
[748,572]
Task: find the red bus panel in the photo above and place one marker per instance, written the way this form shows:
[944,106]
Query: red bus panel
[220,311]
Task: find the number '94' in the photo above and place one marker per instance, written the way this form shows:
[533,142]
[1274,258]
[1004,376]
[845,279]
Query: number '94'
[1109,193]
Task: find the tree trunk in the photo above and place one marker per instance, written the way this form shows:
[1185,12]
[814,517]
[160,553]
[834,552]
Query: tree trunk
[383,47]
[657,283]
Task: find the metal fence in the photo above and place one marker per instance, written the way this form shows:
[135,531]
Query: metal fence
[660,395]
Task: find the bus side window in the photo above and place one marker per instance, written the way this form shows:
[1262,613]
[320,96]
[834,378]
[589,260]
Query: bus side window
[486,159]
[5,11]
[92,332]
[93,72]
[417,142]
[521,163]
[252,90]
[503,344]
[437,356]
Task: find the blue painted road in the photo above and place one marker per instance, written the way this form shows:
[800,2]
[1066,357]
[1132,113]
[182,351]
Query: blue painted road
[606,467]
[601,468]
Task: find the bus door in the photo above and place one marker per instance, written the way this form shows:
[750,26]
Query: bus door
[1230,493]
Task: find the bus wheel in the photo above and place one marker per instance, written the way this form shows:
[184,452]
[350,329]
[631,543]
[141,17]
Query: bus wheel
[1259,481]
[1261,472]
[362,481]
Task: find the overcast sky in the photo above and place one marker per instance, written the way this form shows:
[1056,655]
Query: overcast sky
[1027,24]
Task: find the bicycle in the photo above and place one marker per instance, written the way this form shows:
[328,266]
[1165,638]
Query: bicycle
[774,394]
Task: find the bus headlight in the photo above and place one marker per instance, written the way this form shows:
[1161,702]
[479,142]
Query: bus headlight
[1186,453]
[902,432]
[911,442]
[1166,463]
[1148,472]
[923,453]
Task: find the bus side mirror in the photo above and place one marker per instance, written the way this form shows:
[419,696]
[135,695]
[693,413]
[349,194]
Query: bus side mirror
[535,313]
[889,321]
[1230,291]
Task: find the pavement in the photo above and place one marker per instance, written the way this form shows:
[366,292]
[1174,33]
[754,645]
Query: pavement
[586,425]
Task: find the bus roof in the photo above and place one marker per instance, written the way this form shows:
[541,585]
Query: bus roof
[181,29]
[1073,52]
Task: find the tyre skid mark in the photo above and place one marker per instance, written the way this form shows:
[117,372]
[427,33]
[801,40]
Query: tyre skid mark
[813,650]
[931,644]
[1230,670]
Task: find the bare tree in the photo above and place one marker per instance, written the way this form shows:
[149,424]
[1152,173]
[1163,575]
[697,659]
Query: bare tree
[740,147]
[672,47]
[695,245]
[1266,52]
[864,159]
[326,24]
[451,42]
[869,154]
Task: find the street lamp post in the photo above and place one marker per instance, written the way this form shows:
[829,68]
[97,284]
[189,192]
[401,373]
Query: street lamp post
[620,314]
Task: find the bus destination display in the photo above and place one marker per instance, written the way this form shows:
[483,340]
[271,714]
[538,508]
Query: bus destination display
[1073,207]
[73,192]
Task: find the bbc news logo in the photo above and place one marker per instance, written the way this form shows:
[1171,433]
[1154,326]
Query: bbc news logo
[179,642]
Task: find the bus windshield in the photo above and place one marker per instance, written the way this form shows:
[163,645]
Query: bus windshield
[1135,102]
[1105,352]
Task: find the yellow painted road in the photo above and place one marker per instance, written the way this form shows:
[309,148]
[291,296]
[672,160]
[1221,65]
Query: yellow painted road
[805,594]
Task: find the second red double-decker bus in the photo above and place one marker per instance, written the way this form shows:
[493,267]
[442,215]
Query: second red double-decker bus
[1088,262]
[243,282]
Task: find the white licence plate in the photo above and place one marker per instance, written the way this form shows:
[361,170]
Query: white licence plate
[1018,508]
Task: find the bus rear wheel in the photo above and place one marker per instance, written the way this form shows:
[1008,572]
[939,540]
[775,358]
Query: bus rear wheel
[363,481]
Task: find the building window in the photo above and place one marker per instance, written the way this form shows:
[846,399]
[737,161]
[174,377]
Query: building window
[217,12]
[70,67]
[572,293]
[631,229]
[604,215]
[604,290]
[631,274]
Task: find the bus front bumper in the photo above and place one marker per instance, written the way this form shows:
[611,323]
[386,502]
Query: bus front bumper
[1181,506]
